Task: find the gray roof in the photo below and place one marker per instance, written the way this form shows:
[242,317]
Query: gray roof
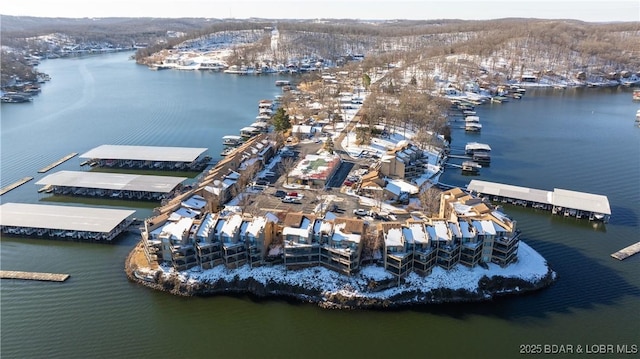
[506,190]
[62,217]
[145,153]
[112,181]
[583,201]
[559,197]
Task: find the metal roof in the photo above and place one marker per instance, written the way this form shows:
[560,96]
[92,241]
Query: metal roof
[583,201]
[62,217]
[506,190]
[474,146]
[145,153]
[558,197]
[112,181]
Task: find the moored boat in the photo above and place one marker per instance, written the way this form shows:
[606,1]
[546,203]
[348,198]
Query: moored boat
[472,127]
[231,140]
[249,131]
[470,167]
[636,95]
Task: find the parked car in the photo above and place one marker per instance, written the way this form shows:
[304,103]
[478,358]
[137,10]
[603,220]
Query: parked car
[348,183]
[292,200]
[262,182]
[295,195]
[280,194]
[360,212]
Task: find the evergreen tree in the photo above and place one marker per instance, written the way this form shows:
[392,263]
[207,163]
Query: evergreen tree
[281,120]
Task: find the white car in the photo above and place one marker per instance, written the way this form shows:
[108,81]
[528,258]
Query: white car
[360,212]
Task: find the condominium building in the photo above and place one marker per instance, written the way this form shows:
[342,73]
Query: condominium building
[467,231]
[333,243]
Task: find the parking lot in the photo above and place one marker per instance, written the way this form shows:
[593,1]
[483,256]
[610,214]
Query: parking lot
[268,196]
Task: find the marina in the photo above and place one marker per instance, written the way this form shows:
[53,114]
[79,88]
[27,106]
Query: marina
[148,157]
[627,252]
[63,222]
[559,201]
[47,277]
[592,287]
[58,162]
[111,185]
[15,185]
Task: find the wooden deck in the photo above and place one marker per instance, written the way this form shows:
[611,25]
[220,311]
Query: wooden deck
[15,185]
[58,162]
[627,252]
[50,277]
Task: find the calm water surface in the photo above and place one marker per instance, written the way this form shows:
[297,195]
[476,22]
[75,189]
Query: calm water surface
[580,139]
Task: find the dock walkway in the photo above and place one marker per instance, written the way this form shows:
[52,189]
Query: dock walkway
[627,252]
[50,277]
[58,162]
[15,185]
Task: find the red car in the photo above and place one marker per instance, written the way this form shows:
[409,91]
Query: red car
[348,183]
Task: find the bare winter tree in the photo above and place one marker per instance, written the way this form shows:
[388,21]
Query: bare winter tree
[430,200]
[372,244]
[287,164]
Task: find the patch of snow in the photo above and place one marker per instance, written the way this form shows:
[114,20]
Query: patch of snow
[531,266]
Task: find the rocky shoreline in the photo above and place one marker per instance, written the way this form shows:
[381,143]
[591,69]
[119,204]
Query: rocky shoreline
[370,289]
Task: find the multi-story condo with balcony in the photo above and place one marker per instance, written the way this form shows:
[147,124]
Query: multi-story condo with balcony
[467,231]
[344,246]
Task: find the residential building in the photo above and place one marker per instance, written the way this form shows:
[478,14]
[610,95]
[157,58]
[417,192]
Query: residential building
[405,161]
[398,251]
[344,247]
[301,247]
[314,170]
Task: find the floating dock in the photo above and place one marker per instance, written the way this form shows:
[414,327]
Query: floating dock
[58,162]
[627,252]
[49,277]
[15,185]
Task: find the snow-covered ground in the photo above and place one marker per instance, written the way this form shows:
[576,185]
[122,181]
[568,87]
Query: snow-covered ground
[531,267]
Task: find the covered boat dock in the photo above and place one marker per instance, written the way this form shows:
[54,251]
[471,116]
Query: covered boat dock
[111,185]
[558,201]
[63,222]
[148,157]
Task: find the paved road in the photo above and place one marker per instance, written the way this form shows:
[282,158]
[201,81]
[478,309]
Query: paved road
[340,175]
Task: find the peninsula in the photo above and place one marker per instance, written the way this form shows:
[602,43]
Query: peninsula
[326,213]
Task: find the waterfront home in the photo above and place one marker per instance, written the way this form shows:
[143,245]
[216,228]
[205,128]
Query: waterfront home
[257,234]
[424,256]
[407,247]
[234,251]
[466,231]
[472,245]
[172,240]
[483,228]
[446,245]
[342,251]
[398,251]
[301,247]
[208,247]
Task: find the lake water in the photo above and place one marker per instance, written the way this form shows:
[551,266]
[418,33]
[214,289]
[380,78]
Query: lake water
[577,139]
